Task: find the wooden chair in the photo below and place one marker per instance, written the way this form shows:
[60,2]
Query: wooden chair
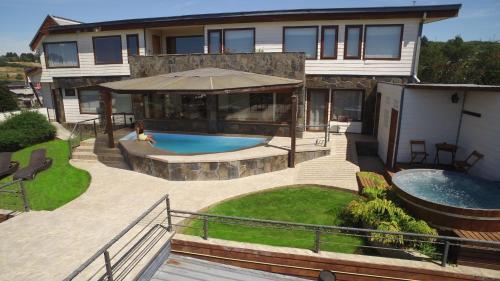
[469,162]
[418,151]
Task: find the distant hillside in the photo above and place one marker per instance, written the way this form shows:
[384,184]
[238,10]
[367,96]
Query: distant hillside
[12,65]
[456,61]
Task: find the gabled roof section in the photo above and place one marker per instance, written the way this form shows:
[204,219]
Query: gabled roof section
[48,22]
[431,12]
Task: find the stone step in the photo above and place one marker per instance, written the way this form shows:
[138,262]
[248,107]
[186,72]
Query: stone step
[83,156]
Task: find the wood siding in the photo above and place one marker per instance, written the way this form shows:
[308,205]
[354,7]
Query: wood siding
[86,55]
[390,99]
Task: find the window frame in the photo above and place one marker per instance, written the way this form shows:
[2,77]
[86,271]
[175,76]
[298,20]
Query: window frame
[220,40]
[304,26]
[402,26]
[183,36]
[336,42]
[70,89]
[46,56]
[223,38]
[332,102]
[108,36]
[80,100]
[346,37]
[128,49]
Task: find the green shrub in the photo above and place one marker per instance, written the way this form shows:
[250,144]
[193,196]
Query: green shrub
[374,193]
[7,100]
[25,129]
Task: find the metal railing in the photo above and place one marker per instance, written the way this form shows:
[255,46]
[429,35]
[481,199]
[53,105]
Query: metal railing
[326,129]
[117,270]
[323,237]
[11,192]
[119,120]
[83,130]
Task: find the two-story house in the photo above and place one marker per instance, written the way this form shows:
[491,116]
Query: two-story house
[345,50]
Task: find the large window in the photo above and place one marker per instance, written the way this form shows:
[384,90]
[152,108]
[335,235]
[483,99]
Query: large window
[347,105]
[90,101]
[254,107]
[383,41]
[215,41]
[61,54]
[329,38]
[301,39]
[352,41]
[176,107]
[122,103]
[132,44]
[185,45]
[108,50]
[239,40]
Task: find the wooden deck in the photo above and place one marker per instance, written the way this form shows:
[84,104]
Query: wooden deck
[471,254]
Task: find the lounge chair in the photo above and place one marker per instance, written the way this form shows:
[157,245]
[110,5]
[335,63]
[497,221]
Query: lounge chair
[418,151]
[38,163]
[469,162]
[7,166]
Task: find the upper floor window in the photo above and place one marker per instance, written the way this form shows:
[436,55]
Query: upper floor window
[383,41]
[239,40]
[61,54]
[329,38]
[301,39]
[185,45]
[352,42]
[132,45]
[108,50]
[214,41]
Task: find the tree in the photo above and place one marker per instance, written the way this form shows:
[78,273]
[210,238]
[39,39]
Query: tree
[29,57]
[12,56]
[7,100]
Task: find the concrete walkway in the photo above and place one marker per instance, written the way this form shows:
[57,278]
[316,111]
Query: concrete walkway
[50,245]
[62,133]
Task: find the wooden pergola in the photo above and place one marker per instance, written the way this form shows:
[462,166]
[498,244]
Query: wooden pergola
[208,81]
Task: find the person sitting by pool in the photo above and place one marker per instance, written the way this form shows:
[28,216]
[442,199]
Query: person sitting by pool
[139,130]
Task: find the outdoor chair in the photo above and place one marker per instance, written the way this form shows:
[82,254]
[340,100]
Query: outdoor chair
[469,162]
[418,152]
[7,166]
[38,162]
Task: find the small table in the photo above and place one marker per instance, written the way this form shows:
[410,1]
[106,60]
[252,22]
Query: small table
[446,147]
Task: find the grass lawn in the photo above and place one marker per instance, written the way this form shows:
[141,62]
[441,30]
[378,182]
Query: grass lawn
[53,187]
[303,204]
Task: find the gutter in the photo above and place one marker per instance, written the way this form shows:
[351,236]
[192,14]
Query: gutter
[416,51]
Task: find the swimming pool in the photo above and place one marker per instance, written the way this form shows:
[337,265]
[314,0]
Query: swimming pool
[189,144]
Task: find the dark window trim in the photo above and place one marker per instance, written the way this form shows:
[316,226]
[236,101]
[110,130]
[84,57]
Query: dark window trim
[332,101]
[306,26]
[110,36]
[336,27]
[236,29]
[128,49]
[80,100]
[220,40]
[402,26]
[59,42]
[346,36]
[183,36]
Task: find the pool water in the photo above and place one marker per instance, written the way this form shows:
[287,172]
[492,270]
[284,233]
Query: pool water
[449,188]
[199,144]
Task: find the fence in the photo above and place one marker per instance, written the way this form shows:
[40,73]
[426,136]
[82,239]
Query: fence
[13,194]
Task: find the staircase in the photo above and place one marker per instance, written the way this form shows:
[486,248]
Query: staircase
[97,150]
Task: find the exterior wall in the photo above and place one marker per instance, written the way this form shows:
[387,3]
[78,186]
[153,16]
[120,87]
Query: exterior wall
[86,55]
[390,99]
[431,116]
[482,133]
[269,38]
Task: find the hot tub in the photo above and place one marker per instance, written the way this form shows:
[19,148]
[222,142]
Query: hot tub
[450,199]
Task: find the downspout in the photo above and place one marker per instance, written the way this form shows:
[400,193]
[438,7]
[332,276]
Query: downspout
[400,117]
[416,51]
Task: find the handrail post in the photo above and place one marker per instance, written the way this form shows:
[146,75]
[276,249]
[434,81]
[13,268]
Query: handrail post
[169,214]
[326,135]
[205,227]
[444,259]
[25,199]
[109,270]
[95,130]
[317,237]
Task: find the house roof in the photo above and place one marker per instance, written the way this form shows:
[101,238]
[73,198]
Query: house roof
[207,80]
[48,22]
[460,87]
[433,12]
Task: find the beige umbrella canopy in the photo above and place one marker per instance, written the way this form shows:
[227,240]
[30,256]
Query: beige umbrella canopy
[210,80]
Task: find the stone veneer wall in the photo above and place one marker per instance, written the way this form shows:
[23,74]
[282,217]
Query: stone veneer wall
[366,83]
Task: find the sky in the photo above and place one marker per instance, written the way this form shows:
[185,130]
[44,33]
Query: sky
[20,19]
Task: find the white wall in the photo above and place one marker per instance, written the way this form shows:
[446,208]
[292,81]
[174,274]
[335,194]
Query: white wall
[482,133]
[431,116]
[269,37]
[390,99]
[5,115]
[86,55]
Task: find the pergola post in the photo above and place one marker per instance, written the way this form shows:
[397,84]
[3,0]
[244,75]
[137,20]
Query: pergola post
[108,111]
[293,134]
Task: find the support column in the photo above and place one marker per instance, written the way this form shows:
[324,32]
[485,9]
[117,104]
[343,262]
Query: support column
[106,96]
[293,133]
